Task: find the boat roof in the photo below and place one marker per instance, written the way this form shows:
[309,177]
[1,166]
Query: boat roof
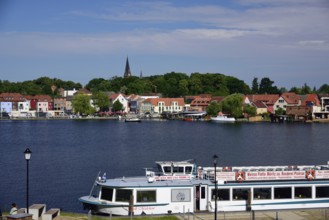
[176,163]
[143,182]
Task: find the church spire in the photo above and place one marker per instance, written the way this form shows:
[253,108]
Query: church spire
[127,69]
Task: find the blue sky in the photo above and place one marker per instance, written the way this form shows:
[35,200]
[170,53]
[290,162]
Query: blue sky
[78,40]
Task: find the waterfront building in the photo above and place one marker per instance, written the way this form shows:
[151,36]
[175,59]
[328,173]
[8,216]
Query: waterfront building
[200,104]
[287,99]
[122,99]
[161,105]
[6,107]
[268,99]
[67,93]
[40,103]
[14,98]
[59,104]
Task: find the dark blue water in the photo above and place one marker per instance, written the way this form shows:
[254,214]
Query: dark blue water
[67,155]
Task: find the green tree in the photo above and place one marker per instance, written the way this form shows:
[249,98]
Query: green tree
[305,89]
[280,111]
[324,89]
[101,100]
[232,105]
[250,110]
[81,105]
[117,106]
[195,84]
[213,108]
[295,90]
[255,86]
[266,86]
[183,87]
[98,84]
[235,85]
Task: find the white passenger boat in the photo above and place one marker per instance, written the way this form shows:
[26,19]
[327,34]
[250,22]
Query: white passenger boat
[133,120]
[222,118]
[180,187]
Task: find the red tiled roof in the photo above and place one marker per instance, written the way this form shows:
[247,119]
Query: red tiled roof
[259,104]
[167,101]
[201,101]
[298,110]
[311,98]
[115,96]
[217,98]
[12,97]
[268,99]
[291,97]
[40,98]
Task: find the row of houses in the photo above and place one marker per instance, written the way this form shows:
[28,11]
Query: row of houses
[297,105]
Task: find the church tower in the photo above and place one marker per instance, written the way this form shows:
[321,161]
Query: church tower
[127,70]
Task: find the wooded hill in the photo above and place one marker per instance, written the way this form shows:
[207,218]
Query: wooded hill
[169,85]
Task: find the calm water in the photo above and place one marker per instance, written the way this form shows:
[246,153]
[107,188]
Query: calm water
[68,154]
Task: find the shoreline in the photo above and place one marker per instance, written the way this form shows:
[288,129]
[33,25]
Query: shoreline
[160,119]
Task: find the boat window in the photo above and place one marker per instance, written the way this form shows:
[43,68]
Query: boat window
[240,194]
[167,169]
[222,194]
[188,170]
[322,192]
[178,169]
[262,193]
[146,196]
[203,192]
[303,192]
[123,195]
[181,195]
[282,193]
[107,194]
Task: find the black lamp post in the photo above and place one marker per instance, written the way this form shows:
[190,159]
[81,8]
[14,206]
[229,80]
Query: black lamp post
[27,154]
[215,157]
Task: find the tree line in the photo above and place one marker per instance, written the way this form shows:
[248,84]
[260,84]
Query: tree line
[172,84]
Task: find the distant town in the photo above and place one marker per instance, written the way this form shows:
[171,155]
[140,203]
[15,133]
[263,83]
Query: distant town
[173,95]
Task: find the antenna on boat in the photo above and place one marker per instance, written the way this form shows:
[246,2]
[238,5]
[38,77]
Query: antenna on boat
[95,183]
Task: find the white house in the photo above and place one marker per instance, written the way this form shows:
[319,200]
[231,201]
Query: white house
[42,106]
[119,97]
[23,106]
[160,105]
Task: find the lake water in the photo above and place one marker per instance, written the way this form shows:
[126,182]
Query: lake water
[68,154]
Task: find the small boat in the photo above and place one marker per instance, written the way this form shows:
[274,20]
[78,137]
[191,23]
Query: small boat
[133,120]
[222,118]
[177,187]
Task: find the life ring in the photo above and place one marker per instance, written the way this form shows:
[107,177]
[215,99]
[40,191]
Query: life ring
[310,174]
[226,169]
[240,176]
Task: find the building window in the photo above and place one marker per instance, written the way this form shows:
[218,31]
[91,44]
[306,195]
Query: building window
[188,170]
[146,196]
[282,193]
[262,193]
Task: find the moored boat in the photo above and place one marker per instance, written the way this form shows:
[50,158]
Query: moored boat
[178,187]
[222,118]
[133,120]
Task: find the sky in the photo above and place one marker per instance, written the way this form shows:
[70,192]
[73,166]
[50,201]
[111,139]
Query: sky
[79,40]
